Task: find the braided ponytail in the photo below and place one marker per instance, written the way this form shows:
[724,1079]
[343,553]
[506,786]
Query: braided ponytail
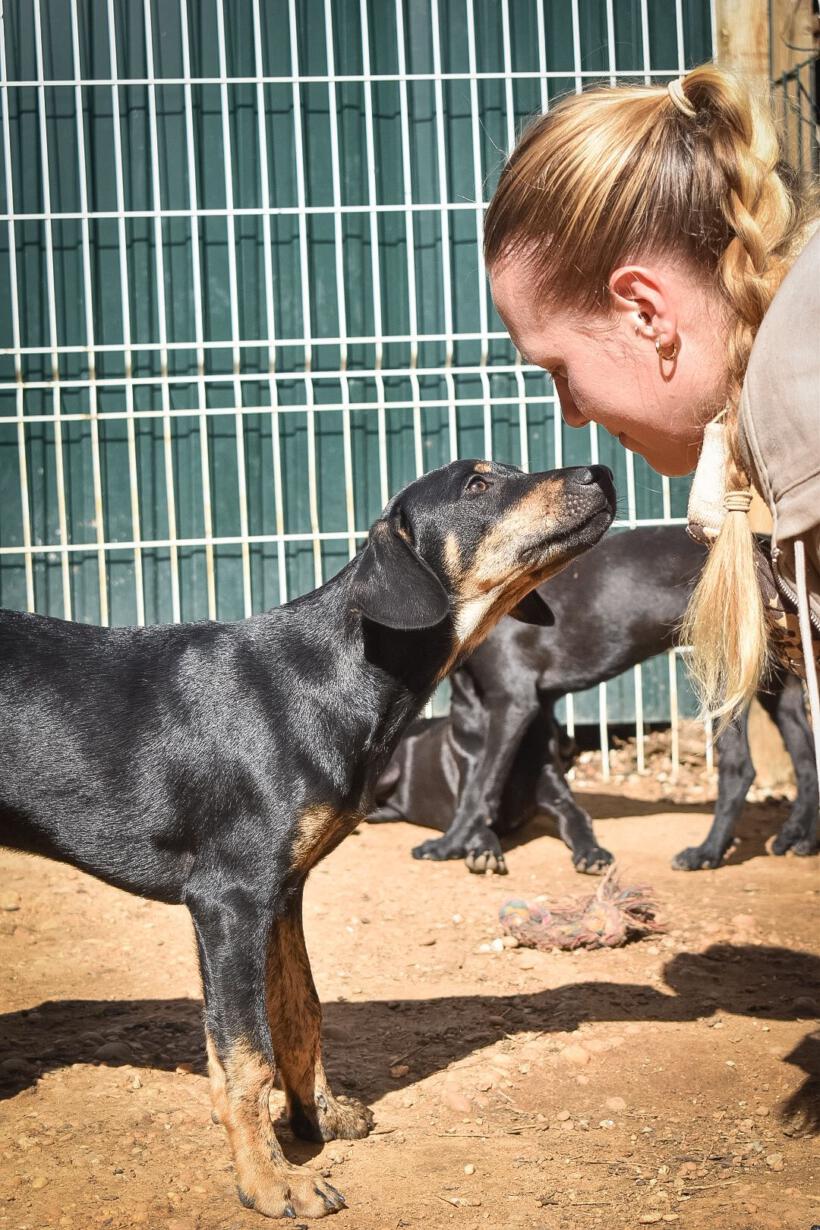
[693,174]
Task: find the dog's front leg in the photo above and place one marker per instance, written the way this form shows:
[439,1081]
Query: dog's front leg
[233,931]
[295,1019]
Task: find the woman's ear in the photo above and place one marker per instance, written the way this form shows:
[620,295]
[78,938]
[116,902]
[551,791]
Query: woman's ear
[647,300]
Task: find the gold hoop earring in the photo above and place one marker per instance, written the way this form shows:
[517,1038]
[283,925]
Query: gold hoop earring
[668,355]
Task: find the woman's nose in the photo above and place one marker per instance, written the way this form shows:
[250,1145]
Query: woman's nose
[571,414]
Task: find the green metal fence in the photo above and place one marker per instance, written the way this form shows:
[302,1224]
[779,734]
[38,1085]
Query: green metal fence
[241,294]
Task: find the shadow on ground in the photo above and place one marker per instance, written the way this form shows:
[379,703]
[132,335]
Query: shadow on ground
[364,1040]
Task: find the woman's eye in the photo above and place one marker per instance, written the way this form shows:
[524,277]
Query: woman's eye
[477,484]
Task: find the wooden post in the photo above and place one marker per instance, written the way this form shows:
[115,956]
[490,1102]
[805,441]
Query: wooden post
[748,44]
[742,29]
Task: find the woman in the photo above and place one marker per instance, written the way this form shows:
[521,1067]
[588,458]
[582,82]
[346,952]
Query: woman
[647,248]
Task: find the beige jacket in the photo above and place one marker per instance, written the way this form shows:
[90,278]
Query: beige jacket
[780,438]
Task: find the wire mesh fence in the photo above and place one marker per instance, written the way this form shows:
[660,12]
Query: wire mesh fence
[241,290]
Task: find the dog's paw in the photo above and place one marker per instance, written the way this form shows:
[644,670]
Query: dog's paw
[290,1193]
[592,862]
[344,1118]
[438,849]
[793,839]
[484,855]
[697,858]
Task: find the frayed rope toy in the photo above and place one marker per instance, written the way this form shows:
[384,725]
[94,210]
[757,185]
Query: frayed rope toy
[609,918]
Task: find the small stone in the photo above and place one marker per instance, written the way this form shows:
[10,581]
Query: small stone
[607,1123]
[484,1083]
[10,901]
[456,1101]
[428,943]
[116,1051]
[39,1182]
[527,962]
[399,1070]
[761,1111]
[563,1116]
[575,1055]
[509,941]
[616,1104]
[805,1006]
[497,945]
[483,948]
[774,1161]
[469,1168]
[650,1219]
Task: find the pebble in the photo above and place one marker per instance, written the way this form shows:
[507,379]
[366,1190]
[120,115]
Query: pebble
[575,1055]
[527,962]
[497,945]
[806,1006]
[563,1116]
[456,1100]
[469,1168]
[39,1182]
[774,1161]
[399,1070]
[616,1104]
[607,1123]
[115,1050]
[10,901]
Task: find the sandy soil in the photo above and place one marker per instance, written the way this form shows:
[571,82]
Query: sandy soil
[675,1081]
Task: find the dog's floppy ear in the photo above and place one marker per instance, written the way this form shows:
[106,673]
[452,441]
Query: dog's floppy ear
[393,585]
[533,610]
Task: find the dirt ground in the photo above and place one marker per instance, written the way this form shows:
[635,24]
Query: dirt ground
[672,1082]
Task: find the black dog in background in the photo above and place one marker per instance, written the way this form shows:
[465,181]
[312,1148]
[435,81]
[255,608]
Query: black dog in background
[500,757]
[215,764]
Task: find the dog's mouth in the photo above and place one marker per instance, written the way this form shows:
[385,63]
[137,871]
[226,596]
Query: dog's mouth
[564,544]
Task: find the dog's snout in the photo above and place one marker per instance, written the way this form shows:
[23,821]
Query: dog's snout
[597,476]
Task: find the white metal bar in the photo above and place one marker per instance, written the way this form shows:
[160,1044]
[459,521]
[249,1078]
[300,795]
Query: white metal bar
[251,343]
[375,270]
[576,47]
[478,190]
[199,327]
[446,283]
[610,42]
[62,517]
[298,140]
[506,47]
[125,307]
[22,460]
[323,78]
[88,297]
[679,36]
[341,297]
[640,740]
[270,313]
[647,74]
[603,730]
[673,711]
[233,298]
[410,244]
[541,26]
[159,272]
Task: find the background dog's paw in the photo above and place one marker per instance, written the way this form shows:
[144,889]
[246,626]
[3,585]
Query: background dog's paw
[593,862]
[793,839]
[345,1118]
[438,849]
[484,855]
[696,858]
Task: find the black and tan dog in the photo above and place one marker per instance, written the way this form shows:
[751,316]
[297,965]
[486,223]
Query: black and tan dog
[500,758]
[215,764]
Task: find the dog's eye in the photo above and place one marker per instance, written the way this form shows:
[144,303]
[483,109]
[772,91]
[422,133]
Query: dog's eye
[477,484]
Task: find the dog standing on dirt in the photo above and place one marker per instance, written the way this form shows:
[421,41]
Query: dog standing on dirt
[499,759]
[215,764]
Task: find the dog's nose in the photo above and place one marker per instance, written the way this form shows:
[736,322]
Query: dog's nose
[602,477]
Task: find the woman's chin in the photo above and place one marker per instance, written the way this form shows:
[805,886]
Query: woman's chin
[671,464]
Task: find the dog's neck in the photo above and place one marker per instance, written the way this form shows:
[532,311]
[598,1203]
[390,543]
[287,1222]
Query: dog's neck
[372,681]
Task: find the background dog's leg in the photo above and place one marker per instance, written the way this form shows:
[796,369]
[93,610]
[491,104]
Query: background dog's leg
[471,834]
[787,709]
[736,772]
[553,795]
[232,939]
[295,1018]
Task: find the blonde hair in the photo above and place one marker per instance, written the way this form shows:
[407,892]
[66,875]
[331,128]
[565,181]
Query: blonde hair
[613,175]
